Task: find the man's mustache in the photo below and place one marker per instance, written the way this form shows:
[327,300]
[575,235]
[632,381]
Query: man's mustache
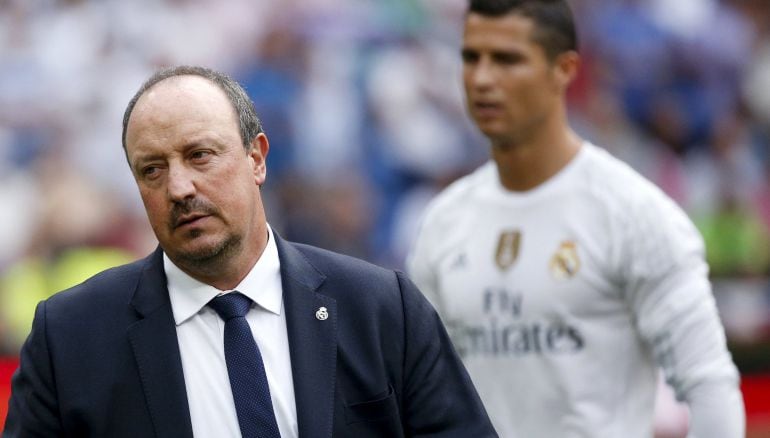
[182,211]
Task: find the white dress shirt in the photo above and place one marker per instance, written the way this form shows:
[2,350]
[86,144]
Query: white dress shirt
[200,332]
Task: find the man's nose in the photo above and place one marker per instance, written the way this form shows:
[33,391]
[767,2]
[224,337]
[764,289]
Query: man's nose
[181,183]
[482,74]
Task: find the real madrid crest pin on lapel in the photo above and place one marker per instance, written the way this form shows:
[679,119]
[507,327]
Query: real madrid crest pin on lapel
[322,314]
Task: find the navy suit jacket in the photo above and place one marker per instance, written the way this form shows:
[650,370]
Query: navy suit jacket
[102,359]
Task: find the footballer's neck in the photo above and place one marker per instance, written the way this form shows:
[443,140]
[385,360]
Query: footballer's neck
[525,164]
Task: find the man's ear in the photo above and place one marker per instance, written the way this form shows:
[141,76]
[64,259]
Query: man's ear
[566,68]
[260,146]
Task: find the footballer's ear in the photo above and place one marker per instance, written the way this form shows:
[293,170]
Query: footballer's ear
[566,66]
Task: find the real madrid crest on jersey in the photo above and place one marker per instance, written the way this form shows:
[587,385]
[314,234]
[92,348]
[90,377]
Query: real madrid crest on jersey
[565,263]
[507,249]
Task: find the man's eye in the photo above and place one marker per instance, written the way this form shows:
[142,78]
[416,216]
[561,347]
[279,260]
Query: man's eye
[197,155]
[149,170]
[508,58]
[469,57]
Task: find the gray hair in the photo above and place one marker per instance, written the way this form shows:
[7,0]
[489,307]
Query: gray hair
[248,122]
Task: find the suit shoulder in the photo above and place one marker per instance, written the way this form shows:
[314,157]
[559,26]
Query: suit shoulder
[341,265]
[101,288]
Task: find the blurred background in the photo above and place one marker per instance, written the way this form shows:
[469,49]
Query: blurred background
[362,102]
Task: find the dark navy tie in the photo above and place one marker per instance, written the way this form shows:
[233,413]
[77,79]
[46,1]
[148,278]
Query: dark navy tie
[245,368]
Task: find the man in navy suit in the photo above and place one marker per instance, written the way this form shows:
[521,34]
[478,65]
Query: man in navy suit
[347,349]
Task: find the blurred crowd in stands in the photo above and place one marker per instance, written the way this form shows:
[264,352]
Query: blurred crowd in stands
[362,104]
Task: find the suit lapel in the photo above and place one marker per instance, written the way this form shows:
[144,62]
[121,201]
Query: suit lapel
[312,341]
[156,350]
[312,346]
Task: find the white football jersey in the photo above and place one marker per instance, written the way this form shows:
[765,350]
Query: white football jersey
[563,300]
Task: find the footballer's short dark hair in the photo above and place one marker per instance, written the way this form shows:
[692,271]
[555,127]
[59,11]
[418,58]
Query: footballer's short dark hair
[554,21]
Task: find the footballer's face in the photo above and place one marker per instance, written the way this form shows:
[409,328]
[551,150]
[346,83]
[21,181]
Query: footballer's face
[510,84]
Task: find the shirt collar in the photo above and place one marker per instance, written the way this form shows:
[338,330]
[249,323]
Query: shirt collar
[188,295]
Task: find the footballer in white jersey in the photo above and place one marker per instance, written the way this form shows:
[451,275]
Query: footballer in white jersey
[563,301]
[566,279]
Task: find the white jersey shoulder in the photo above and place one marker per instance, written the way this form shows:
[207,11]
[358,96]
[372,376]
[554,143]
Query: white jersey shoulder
[627,201]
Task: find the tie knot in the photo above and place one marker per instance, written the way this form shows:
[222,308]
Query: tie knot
[231,305]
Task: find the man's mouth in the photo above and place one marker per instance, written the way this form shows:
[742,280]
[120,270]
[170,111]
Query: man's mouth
[189,219]
[484,104]
[487,108]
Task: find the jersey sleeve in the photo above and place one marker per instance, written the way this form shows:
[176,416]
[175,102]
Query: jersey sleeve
[666,285]
[420,265]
